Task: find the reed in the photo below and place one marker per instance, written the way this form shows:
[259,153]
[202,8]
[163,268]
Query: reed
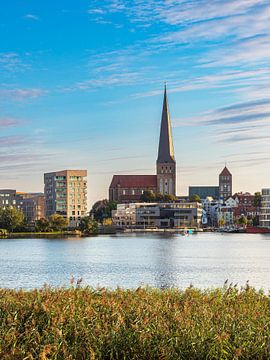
[86,323]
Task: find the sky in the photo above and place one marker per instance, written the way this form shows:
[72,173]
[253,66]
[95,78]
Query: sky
[81,87]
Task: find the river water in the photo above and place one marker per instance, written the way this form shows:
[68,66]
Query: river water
[130,260]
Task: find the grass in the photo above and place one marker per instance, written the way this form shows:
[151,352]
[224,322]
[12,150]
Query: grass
[84,323]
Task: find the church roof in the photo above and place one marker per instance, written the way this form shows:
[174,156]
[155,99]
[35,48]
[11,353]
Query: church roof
[134,181]
[225,172]
[165,149]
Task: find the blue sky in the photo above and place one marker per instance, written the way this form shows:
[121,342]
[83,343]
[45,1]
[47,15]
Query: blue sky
[81,86]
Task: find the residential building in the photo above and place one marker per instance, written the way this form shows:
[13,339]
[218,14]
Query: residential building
[225,184]
[66,194]
[33,207]
[204,191]
[10,198]
[160,215]
[264,217]
[245,206]
[129,188]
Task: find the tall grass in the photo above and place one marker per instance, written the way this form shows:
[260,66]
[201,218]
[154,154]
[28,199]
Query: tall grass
[84,323]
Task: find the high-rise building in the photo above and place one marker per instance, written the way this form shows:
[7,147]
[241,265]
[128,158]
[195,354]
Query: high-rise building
[225,184]
[166,165]
[129,188]
[66,194]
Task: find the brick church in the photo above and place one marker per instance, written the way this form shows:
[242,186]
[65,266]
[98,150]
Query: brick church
[129,188]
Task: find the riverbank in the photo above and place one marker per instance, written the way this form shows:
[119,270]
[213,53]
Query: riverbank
[140,324]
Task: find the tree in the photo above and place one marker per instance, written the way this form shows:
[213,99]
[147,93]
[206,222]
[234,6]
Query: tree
[243,220]
[11,218]
[43,225]
[257,199]
[148,196]
[57,222]
[102,209]
[169,198]
[221,222]
[195,198]
[88,225]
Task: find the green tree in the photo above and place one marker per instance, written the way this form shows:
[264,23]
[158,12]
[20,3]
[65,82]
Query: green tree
[88,225]
[243,220]
[148,196]
[195,198]
[169,198]
[43,225]
[57,222]
[257,199]
[11,218]
[255,220]
[102,209]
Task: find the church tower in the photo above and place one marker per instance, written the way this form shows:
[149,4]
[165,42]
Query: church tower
[225,184]
[166,165]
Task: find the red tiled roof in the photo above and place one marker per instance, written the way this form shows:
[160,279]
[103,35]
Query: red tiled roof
[134,181]
[225,172]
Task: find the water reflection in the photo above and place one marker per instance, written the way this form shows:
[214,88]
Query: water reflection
[131,260]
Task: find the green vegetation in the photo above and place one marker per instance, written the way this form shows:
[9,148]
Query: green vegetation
[11,218]
[257,199]
[82,323]
[102,210]
[195,198]
[88,226]
[149,196]
[243,220]
[54,223]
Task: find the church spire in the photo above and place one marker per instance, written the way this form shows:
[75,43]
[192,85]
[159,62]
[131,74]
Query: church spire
[165,150]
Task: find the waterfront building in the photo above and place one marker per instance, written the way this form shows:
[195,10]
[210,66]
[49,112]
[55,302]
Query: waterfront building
[245,206]
[10,198]
[264,216]
[226,214]
[204,191]
[129,188]
[33,207]
[66,194]
[225,184]
[158,215]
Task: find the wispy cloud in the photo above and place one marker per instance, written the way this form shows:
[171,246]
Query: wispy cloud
[21,94]
[9,122]
[31,17]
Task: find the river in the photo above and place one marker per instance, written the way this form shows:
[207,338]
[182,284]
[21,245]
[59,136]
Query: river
[130,260]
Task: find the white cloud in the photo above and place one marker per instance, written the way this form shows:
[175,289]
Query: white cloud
[31,17]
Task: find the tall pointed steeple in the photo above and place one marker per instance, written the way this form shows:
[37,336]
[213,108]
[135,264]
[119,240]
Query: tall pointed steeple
[166,165]
[165,149]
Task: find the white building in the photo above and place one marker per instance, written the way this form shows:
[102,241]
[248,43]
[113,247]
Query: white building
[160,215]
[265,209]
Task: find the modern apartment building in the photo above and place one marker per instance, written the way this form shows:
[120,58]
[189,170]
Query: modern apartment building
[160,215]
[33,206]
[265,209]
[66,194]
[10,198]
